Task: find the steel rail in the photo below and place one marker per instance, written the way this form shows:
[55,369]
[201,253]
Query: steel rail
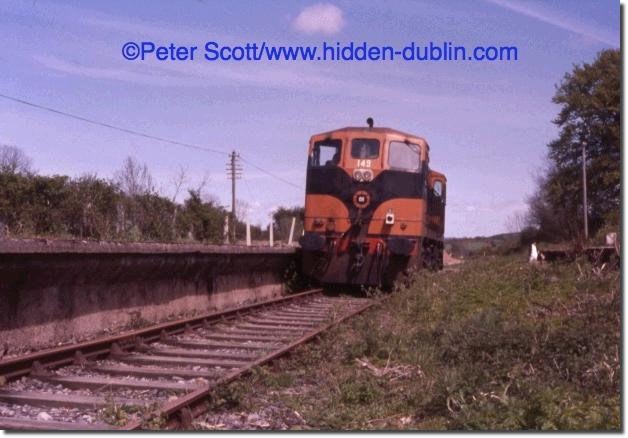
[182,411]
[16,367]
[268,323]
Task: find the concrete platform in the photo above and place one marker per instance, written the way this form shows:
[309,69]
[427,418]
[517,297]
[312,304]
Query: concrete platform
[63,290]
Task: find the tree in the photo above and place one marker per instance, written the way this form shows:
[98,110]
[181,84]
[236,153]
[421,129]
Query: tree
[16,197]
[14,161]
[178,180]
[516,221]
[153,221]
[90,207]
[553,220]
[590,113]
[202,220]
[282,220]
[134,178]
[46,204]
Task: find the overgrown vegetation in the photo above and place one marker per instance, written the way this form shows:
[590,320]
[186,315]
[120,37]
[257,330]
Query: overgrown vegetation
[120,415]
[116,414]
[497,344]
[88,207]
[590,115]
[127,207]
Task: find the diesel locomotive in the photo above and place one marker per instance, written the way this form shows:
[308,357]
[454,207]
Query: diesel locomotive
[374,210]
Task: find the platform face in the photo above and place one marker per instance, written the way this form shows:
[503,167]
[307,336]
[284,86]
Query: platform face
[77,288]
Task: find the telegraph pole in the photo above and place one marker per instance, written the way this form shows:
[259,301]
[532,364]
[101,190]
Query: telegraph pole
[234,171]
[584,190]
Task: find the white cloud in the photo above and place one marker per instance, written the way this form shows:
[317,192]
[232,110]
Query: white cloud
[321,18]
[54,63]
[566,23]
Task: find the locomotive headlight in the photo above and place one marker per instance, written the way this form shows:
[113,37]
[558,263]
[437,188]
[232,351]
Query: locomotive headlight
[390,217]
[367,175]
[358,175]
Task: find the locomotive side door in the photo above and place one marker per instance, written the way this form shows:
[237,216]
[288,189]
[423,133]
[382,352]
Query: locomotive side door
[436,200]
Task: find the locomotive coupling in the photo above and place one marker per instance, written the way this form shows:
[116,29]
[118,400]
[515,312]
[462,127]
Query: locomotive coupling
[358,249]
[312,241]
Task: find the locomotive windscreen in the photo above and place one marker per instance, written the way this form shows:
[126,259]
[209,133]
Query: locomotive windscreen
[325,153]
[404,156]
[364,148]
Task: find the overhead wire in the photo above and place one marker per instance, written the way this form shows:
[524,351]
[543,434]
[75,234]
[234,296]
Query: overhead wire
[142,134]
[279,178]
[175,142]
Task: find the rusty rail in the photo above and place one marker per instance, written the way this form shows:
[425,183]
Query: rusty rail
[17,367]
[183,411]
[219,347]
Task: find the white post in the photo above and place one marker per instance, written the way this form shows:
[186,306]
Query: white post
[534,253]
[226,229]
[291,231]
[248,233]
[270,234]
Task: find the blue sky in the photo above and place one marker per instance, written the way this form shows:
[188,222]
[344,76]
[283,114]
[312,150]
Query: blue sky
[487,123]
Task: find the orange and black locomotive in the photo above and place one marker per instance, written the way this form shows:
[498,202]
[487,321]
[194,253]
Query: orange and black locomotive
[374,210]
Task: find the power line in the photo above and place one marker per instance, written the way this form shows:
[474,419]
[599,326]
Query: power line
[142,134]
[283,180]
[178,143]
[116,128]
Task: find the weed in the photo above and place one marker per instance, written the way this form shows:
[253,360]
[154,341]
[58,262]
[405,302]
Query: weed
[498,344]
[116,414]
[279,380]
[136,320]
[358,391]
[153,422]
[229,396]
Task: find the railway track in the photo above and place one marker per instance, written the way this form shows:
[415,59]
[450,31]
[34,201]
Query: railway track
[160,376]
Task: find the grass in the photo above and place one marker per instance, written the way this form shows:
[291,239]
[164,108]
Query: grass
[497,344]
[120,415]
[116,414]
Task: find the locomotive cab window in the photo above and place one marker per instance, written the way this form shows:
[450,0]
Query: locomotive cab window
[404,156]
[325,153]
[438,189]
[364,148]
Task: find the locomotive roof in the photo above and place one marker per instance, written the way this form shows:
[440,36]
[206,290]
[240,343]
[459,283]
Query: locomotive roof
[365,129]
